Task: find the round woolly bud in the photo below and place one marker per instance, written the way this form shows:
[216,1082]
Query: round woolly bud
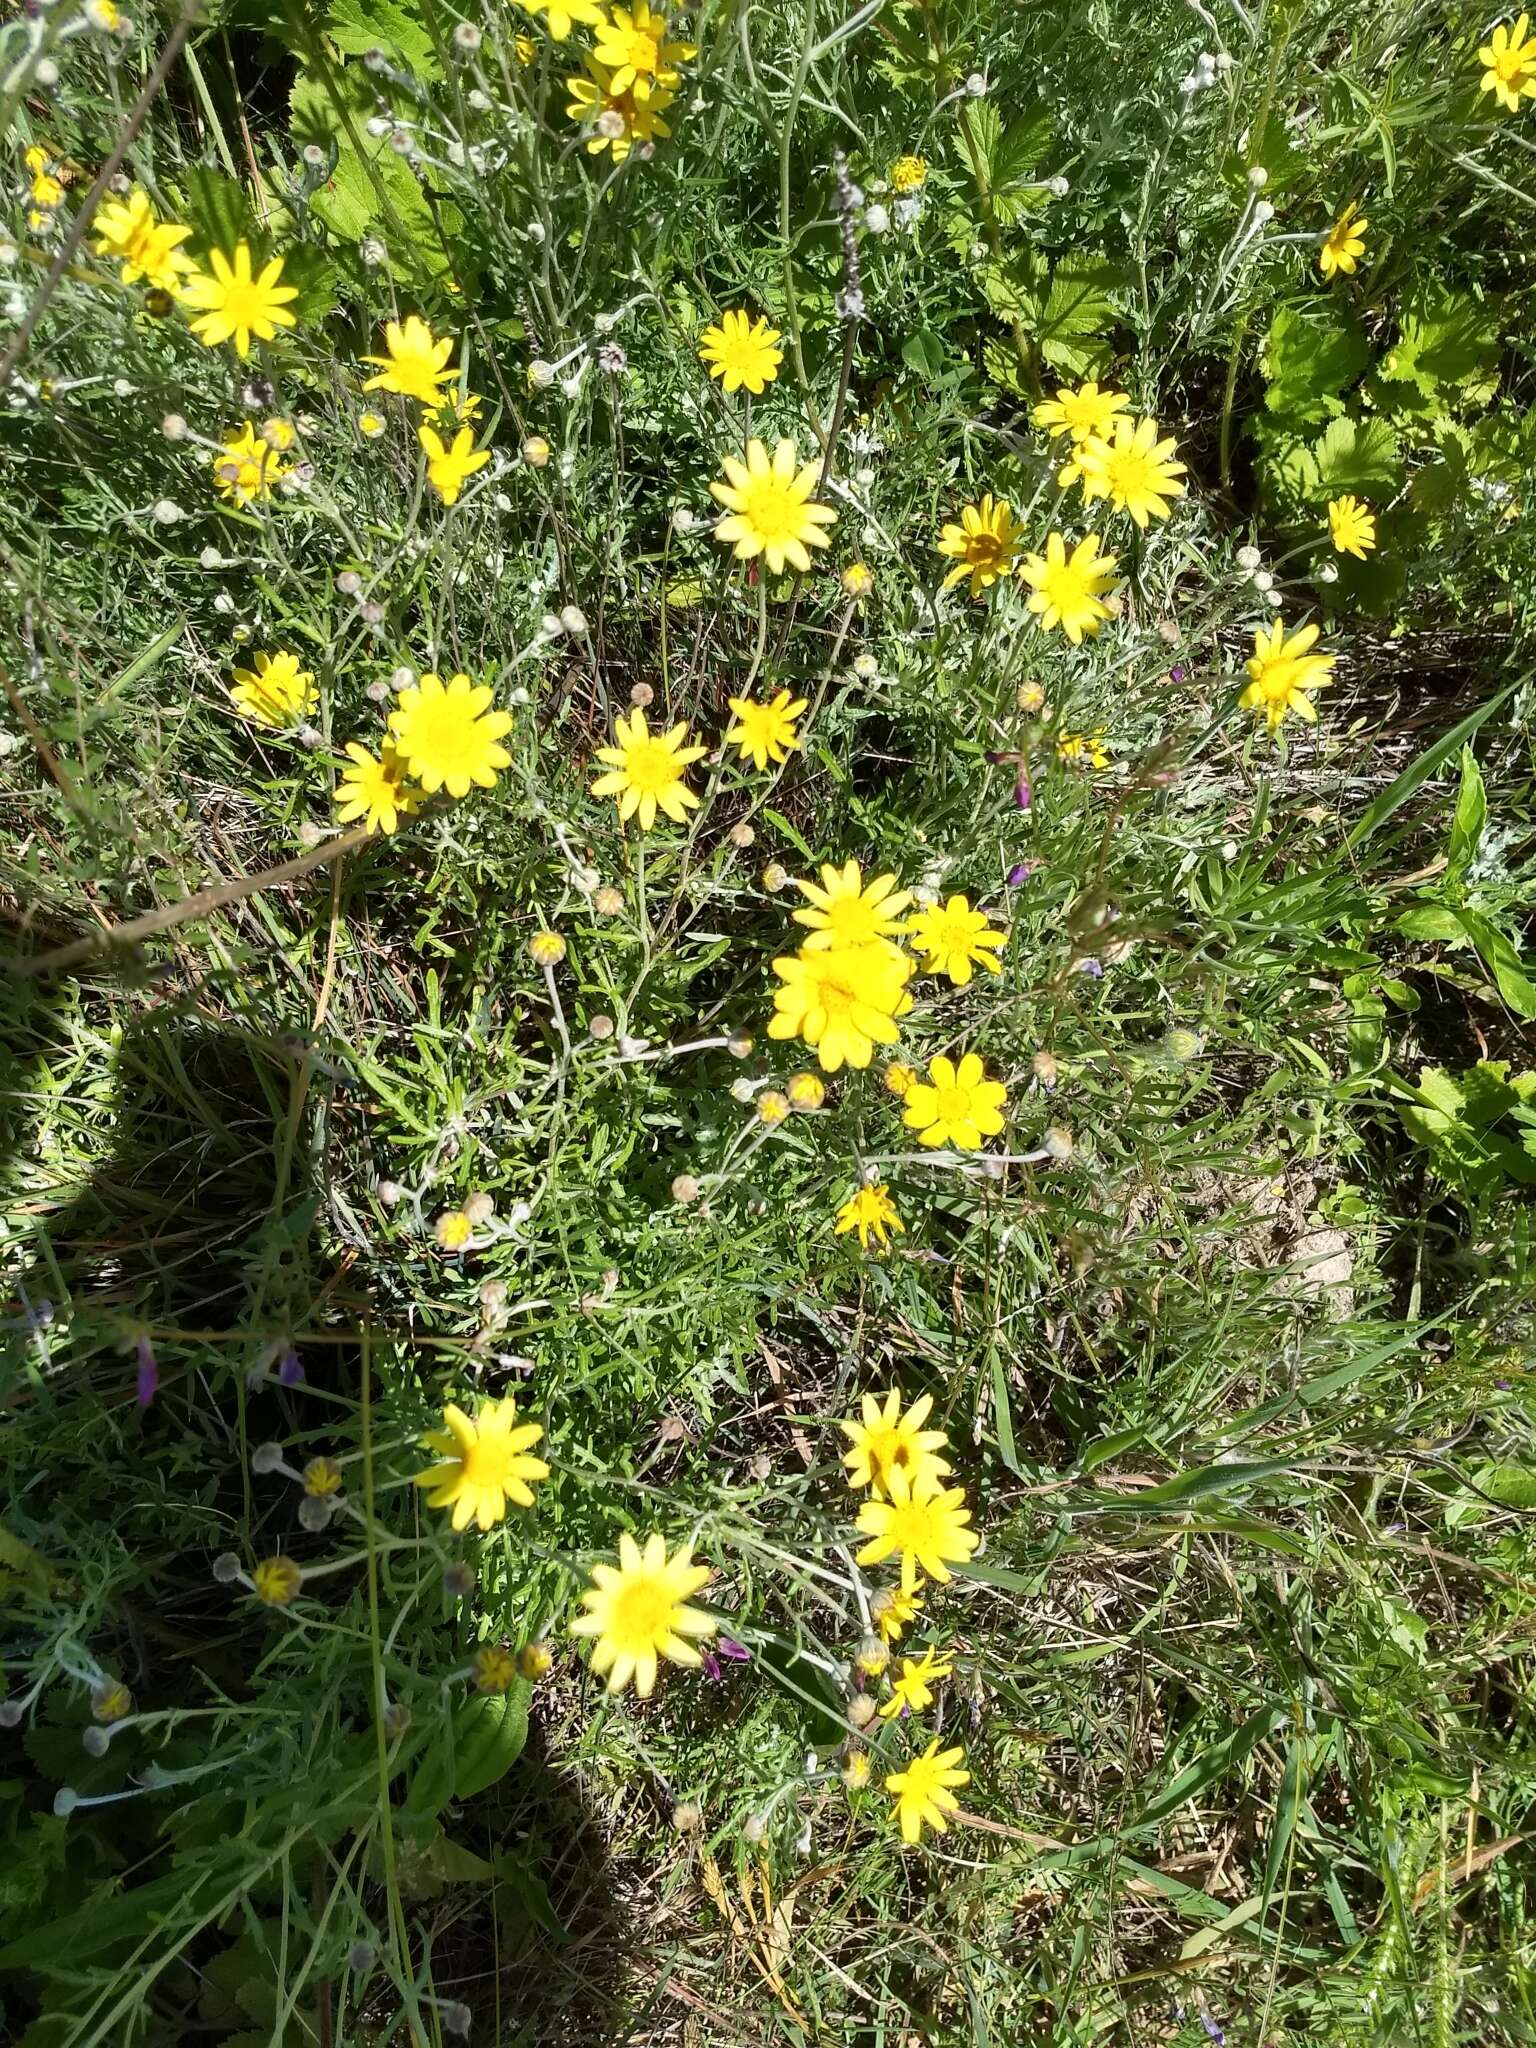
[600,1026]
[772,1108]
[687,1817]
[641,695]
[267,1458]
[479,1207]
[685,1189]
[389,1193]
[739,1045]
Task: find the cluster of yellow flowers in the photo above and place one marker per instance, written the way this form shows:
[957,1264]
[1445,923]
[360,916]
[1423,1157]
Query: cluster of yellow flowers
[631,76]
[911,1515]
[1118,457]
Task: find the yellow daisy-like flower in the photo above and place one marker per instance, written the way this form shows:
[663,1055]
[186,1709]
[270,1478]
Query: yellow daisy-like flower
[246,467]
[526,50]
[451,465]
[842,1001]
[105,15]
[452,1231]
[885,1440]
[740,351]
[111,1701]
[923,1524]
[912,1689]
[447,735]
[146,246]
[1131,467]
[806,1092]
[894,1611]
[276,1581]
[1351,527]
[322,1478]
[374,789]
[1079,749]
[46,187]
[493,1669]
[847,911]
[633,43]
[646,771]
[982,544]
[870,1211]
[620,119]
[924,1791]
[415,362]
[955,1106]
[1344,244]
[1509,60]
[561,16]
[952,937]
[772,512]
[1080,412]
[1282,673]
[1069,590]
[276,691]
[899,1076]
[908,173]
[639,1613]
[483,1464]
[765,732]
[237,303]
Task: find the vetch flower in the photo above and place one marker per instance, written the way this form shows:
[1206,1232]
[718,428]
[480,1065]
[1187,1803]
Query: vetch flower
[246,467]
[1351,527]
[912,1689]
[924,1791]
[765,732]
[1068,590]
[982,544]
[374,789]
[842,1001]
[619,120]
[1282,673]
[632,43]
[447,735]
[484,1463]
[924,1525]
[638,1612]
[276,1581]
[956,1106]
[646,771]
[451,465]
[847,911]
[1130,466]
[870,1211]
[1509,58]
[952,938]
[772,512]
[236,303]
[1344,243]
[146,246]
[741,352]
[560,16]
[276,692]
[885,1441]
[415,363]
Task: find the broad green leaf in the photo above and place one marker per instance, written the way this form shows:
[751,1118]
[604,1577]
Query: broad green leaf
[1500,956]
[372,190]
[218,211]
[1287,465]
[1471,816]
[1310,359]
[358,26]
[1448,340]
[926,353]
[1358,456]
[1072,320]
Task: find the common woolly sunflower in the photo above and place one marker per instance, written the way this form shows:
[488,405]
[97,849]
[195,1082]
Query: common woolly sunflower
[448,736]
[647,771]
[235,303]
[639,1613]
[771,509]
[484,1463]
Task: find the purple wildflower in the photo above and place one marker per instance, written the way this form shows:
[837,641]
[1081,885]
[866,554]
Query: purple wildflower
[289,1371]
[1177,673]
[147,1379]
[711,1664]
[1020,872]
[1023,794]
[1213,2032]
[738,1653]
[1093,967]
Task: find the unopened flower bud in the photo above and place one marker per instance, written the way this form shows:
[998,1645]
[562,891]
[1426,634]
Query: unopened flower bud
[772,1108]
[600,1026]
[687,1817]
[1043,1067]
[741,836]
[641,694]
[685,1189]
[775,877]
[862,1709]
[1057,1141]
[739,1045]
